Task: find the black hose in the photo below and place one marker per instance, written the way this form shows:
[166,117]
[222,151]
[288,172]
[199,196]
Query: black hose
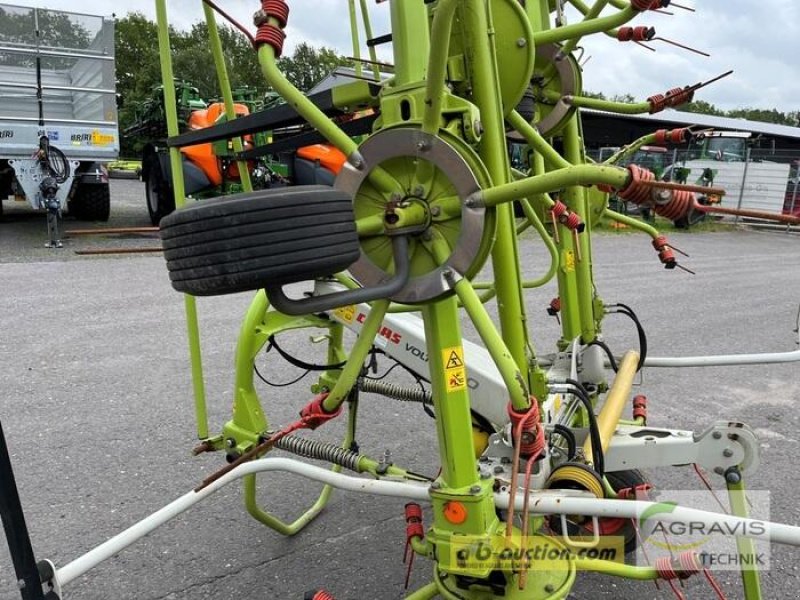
[566,433]
[594,429]
[626,310]
[607,350]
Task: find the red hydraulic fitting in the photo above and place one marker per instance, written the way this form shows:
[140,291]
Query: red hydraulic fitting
[665,252]
[640,407]
[314,414]
[642,33]
[631,493]
[555,307]
[268,33]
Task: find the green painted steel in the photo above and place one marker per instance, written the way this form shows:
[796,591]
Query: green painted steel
[737,494]
[448,82]
[450,395]
[575,198]
[225,89]
[190,306]
[410,42]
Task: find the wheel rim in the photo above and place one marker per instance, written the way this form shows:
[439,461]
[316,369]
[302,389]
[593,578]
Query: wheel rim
[153,194]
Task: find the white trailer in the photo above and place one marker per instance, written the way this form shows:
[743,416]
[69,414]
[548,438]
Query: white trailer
[58,112]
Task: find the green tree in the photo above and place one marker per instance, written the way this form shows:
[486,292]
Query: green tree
[307,65]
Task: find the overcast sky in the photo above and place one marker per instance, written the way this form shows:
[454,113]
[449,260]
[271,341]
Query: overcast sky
[759,39]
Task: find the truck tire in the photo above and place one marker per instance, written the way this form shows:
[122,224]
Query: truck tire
[158,191]
[92,202]
[247,241]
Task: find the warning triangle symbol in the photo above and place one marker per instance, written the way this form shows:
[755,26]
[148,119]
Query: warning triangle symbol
[454,361]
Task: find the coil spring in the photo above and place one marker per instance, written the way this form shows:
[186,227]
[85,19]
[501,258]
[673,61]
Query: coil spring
[672,136]
[272,35]
[308,448]
[394,391]
[677,205]
[532,440]
[681,567]
[643,33]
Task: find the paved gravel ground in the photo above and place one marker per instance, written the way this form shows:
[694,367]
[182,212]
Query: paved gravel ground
[95,399]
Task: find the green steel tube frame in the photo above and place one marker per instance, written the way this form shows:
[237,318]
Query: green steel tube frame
[510,346]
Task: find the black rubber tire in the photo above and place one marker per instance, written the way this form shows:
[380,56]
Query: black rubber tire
[92,202]
[247,241]
[158,192]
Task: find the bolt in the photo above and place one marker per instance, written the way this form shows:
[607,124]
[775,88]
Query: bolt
[423,146]
[505,460]
[230,443]
[733,476]
[498,469]
[475,489]
[436,485]
[436,211]
[395,197]
[549,588]
[716,435]
[483,459]
[427,236]
[727,453]
[485,475]
[522,42]
[477,126]
[719,470]
[419,191]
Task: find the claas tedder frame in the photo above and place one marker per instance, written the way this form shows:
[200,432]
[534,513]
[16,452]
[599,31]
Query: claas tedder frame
[534,448]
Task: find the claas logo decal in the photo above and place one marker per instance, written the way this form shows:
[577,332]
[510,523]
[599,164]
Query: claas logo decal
[390,335]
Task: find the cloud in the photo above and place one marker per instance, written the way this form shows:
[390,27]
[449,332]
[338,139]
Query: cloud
[759,40]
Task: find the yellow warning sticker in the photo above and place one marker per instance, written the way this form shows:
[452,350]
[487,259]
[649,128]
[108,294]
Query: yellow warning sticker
[569,262]
[346,313]
[455,373]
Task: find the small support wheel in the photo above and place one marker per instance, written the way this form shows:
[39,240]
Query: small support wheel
[253,240]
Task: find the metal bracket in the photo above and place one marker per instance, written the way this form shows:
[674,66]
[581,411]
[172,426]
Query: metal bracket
[722,446]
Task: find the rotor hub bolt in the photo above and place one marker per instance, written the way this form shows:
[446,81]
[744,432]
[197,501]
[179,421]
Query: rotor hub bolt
[475,489]
[521,42]
[485,474]
[716,435]
[436,485]
[230,443]
[733,476]
[727,453]
[549,588]
[498,469]
[423,146]
[436,211]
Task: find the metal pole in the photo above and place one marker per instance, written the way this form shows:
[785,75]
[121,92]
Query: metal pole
[744,180]
[19,542]
[794,193]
